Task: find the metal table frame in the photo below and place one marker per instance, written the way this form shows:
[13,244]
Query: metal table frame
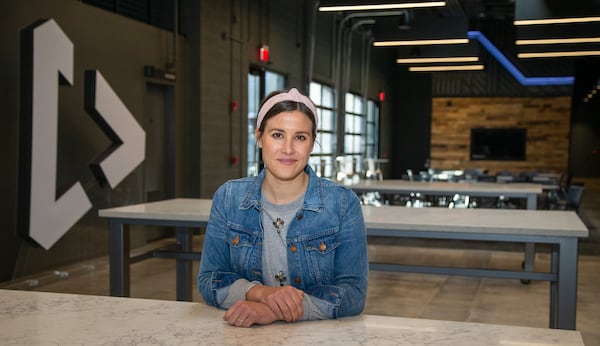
[527,191]
[482,189]
[383,222]
[562,275]
[120,260]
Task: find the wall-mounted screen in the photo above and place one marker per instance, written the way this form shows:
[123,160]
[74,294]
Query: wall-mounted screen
[498,144]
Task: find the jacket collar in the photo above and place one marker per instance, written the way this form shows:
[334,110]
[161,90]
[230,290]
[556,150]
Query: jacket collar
[312,198]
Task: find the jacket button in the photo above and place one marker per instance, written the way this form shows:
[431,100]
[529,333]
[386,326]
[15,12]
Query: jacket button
[297,280]
[293,248]
[322,247]
[300,217]
[236,240]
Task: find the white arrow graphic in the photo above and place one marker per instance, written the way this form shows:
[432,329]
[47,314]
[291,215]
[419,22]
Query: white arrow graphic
[128,137]
[44,216]
[47,59]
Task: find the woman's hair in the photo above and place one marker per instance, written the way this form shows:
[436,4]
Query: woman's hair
[294,103]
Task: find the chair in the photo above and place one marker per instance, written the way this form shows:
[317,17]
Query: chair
[409,173]
[472,173]
[573,198]
[486,178]
[527,176]
[505,176]
[568,178]
[559,194]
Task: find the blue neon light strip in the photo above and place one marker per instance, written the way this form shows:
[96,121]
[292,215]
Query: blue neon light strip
[514,71]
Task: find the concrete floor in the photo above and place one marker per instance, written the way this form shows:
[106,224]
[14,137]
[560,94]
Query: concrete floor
[455,298]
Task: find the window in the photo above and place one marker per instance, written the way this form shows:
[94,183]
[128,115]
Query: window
[260,84]
[322,157]
[372,134]
[361,131]
[354,133]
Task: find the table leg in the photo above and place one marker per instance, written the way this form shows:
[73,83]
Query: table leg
[529,262]
[184,266]
[119,258]
[529,265]
[553,286]
[566,309]
[532,202]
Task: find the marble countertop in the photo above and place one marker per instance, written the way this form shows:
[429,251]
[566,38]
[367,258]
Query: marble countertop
[478,220]
[501,221]
[186,209]
[38,318]
[396,185]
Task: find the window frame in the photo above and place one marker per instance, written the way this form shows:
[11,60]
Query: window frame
[322,160]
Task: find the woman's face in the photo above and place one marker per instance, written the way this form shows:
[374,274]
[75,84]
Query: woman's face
[286,144]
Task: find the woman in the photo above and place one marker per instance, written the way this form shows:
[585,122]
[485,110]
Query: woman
[285,245]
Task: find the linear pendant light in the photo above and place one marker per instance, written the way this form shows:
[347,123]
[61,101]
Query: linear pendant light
[382,6]
[558,41]
[559,54]
[446,68]
[556,21]
[420,42]
[437,60]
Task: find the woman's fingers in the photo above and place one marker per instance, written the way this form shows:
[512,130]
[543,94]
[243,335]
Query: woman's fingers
[286,303]
[281,303]
[245,313]
[238,315]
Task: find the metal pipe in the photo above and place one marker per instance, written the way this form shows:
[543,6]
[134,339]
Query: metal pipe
[311,57]
[341,26]
[355,26]
[367,70]
[340,96]
[173,64]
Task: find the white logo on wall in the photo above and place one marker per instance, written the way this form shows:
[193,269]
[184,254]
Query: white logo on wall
[47,60]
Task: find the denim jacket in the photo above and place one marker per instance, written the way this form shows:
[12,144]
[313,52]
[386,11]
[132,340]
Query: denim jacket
[326,242]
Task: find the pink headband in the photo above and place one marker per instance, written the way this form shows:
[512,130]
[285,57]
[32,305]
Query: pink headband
[292,95]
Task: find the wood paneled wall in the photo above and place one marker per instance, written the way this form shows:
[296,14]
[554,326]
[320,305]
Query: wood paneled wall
[547,120]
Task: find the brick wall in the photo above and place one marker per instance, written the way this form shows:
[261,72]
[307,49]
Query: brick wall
[547,121]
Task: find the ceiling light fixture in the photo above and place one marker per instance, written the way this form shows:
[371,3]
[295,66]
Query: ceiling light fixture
[420,42]
[558,41]
[556,21]
[558,54]
[382,6]
[437,60]
[445,68]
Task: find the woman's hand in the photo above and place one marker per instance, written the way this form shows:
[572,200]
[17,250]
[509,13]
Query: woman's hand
[245,313]
[284,301]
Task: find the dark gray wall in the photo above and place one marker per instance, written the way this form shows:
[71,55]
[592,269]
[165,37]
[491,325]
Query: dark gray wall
[412,122]
[217,45]
[118,48]
[585,123]
[230,34]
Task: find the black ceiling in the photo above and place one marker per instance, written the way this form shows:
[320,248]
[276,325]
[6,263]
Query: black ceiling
[480,9]
[495,20]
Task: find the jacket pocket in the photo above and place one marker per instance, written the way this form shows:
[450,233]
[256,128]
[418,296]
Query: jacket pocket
[321,255]
[241,244]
